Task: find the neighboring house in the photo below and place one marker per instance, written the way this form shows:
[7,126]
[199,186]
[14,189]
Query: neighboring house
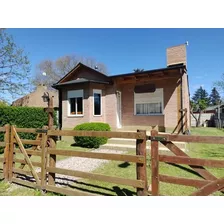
[219,116]
[35,99]
[145,99]
[207,117]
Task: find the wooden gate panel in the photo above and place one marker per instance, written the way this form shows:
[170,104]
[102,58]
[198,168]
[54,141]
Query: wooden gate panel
[27,159]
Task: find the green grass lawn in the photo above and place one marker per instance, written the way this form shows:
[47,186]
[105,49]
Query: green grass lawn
[5,188]
[196,150]
[128,170]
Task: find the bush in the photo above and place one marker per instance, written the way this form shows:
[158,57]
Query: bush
[24,117]
[91,142]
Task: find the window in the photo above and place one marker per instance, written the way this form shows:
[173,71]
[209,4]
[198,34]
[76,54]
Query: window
[149,103]
[75,102]
[97,102]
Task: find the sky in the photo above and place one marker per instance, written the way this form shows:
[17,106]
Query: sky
[122,50]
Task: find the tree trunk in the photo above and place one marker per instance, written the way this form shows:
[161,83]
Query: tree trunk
[199,119]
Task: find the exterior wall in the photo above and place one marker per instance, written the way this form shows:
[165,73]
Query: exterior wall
[71,121]
[35,99]
[108,112]
[186,97]
[204,116]
[111,106]
[169,117]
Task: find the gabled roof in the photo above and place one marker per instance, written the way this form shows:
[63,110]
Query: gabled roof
[79,65]
[80,80]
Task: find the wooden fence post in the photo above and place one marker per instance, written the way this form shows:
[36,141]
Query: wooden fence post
[6,152]
[155,163]
[141,168]
[43,160]
[11,155]
[52,162]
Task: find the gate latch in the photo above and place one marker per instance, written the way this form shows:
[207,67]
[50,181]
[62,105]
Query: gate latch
[157,138]
[41,130]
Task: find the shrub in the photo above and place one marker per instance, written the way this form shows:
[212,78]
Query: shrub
[23,117]
[91,142]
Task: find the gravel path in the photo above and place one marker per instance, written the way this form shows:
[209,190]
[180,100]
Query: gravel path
[81,164]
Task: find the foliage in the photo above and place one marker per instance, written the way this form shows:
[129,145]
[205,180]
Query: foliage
[200,94]
[56,69]
[214,98]
[91,142]
[24,117]
[220,84]
[199,102]
[138,70]
[3,103]
[14,67]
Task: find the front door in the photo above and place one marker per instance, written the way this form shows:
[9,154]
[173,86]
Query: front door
[119,109]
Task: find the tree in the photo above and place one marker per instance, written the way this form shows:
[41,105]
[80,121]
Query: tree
[138,70]
[220,84]
[199,103]
[214,98]
[14,67]
[56,69]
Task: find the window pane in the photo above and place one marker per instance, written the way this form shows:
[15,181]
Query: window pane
[97,104]
[149,108]
[79,105]
[72,106]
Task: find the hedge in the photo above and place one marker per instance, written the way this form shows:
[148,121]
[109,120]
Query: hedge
[91,142]
[24,117]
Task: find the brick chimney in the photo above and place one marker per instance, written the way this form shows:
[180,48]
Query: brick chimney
[176,55]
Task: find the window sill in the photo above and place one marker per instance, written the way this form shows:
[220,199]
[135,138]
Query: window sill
[97,115]
[81,115]
[149,114]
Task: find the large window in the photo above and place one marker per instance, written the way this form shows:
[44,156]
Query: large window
[97,102]
[149,103]
[75,102]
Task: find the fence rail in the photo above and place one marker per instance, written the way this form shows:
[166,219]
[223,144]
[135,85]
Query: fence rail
[207,185]
[45,147]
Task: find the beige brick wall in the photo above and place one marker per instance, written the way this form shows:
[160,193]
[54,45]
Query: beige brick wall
[176,55]
[111,106]
[70,121]
[186,99]
[168,119]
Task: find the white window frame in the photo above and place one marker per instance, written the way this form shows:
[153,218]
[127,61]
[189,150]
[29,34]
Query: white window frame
[154,114]
[99,91]
[74,94]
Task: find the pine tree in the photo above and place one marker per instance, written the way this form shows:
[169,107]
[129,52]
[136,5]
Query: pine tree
[199,102]
[200,94]
[214,97]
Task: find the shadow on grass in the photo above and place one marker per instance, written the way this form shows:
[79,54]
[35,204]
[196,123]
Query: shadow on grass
[82,186]
[124,165]
[74,145]
[186,169]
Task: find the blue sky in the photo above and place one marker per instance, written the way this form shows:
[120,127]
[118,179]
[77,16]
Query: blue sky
[121,50]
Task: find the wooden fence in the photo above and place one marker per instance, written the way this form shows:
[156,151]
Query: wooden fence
[17,156]
[207,185]
[44,147]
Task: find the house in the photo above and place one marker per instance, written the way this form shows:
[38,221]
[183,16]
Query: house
[207,117]
[35,99]
[147,99]
[212,116]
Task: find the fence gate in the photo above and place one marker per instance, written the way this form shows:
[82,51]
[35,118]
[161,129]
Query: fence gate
[20,174]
